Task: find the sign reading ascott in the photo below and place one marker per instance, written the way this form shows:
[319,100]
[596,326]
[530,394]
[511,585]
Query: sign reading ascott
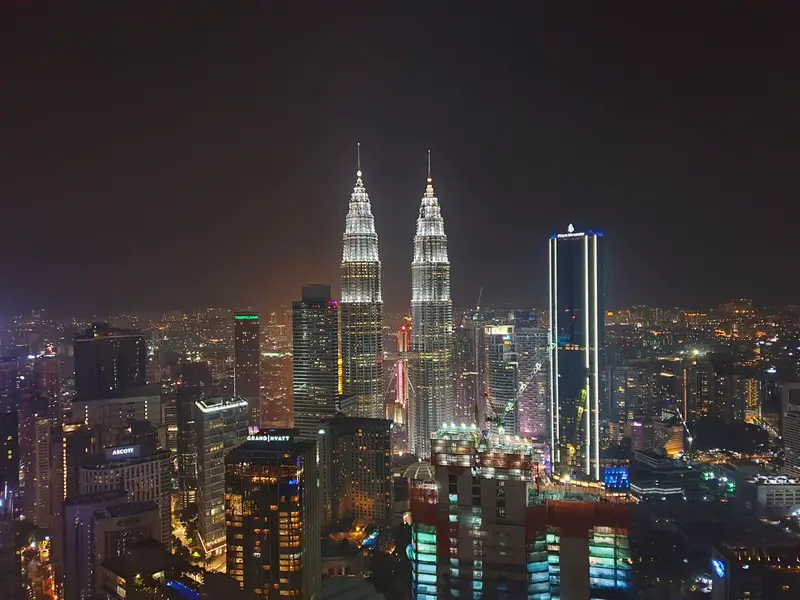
[122,452]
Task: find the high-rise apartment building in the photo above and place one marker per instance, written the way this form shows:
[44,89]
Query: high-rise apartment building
[221,426]
[355,469]
[576,301]
[432,319]
[109,361]
[144,475]
[361,309]
[247,363]
[484,526]
[272,512]
[315,335]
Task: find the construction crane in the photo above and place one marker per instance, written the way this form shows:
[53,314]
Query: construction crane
[500,418]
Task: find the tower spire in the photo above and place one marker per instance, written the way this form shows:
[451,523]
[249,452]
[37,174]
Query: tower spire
[429,188]
[429,166]
[358,159]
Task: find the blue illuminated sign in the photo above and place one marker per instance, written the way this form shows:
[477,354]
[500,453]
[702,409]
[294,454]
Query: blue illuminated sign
[719,568]
[616,478]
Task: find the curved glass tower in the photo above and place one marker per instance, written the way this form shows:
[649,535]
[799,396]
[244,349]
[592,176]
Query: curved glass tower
[432,322]
[361,309]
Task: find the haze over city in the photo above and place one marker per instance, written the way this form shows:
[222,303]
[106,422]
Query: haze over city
[157,157]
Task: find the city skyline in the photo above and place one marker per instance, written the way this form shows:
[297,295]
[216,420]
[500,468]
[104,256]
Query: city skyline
[154,138]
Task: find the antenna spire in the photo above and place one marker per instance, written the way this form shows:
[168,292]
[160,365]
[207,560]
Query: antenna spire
[358,159]
[429,166]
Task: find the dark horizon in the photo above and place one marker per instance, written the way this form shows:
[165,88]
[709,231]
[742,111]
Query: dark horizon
[154,157]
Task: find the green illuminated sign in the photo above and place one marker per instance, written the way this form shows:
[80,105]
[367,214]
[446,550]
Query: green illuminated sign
[245,317]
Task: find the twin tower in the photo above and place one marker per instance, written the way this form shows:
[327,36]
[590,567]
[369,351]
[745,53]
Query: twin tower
[361,313]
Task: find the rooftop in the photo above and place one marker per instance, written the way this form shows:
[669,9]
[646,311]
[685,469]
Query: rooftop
[142,558]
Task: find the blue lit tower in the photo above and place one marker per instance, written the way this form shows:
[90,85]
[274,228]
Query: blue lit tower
[576,295]
[432,326]
[361,309]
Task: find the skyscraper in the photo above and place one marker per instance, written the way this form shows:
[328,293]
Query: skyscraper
[432,319]
[502,378]
[273,510]
[533,355]
[576,295]
[355,469]
[315,334]
[109,361]
[221,426]
[143,474]
[361,309]
[247,366]
[468,355]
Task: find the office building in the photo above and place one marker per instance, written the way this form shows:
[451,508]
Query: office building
[502,379]
[355,469]
[109,361]
[247,363]
[194,384]
[576,307]
[361,308]
[770,496]
[315,336]
[485,526]
[97,527]
[221,426]
[655,476]
[144,475]
[272,511]
[432,319]
[750,568]
[533,355]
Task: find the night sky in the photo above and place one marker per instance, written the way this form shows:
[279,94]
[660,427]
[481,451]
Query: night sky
[157,157]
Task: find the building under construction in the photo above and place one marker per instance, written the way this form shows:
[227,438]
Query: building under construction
[490,526]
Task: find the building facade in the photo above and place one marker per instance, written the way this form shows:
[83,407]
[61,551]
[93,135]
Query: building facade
[145,476]
[576,306]
[221,426]
[432,319]
[484,527]
[533,356]
[315,367]
[361,309]
[109,361]
[272,513]
[355,469]
[247,363]
[502,378]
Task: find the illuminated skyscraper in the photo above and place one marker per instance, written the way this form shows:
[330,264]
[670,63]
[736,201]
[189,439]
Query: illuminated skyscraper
[361,308]
[432,318]
[272,506]
[221,426]
[576,296]
[247,368]
[315,371]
